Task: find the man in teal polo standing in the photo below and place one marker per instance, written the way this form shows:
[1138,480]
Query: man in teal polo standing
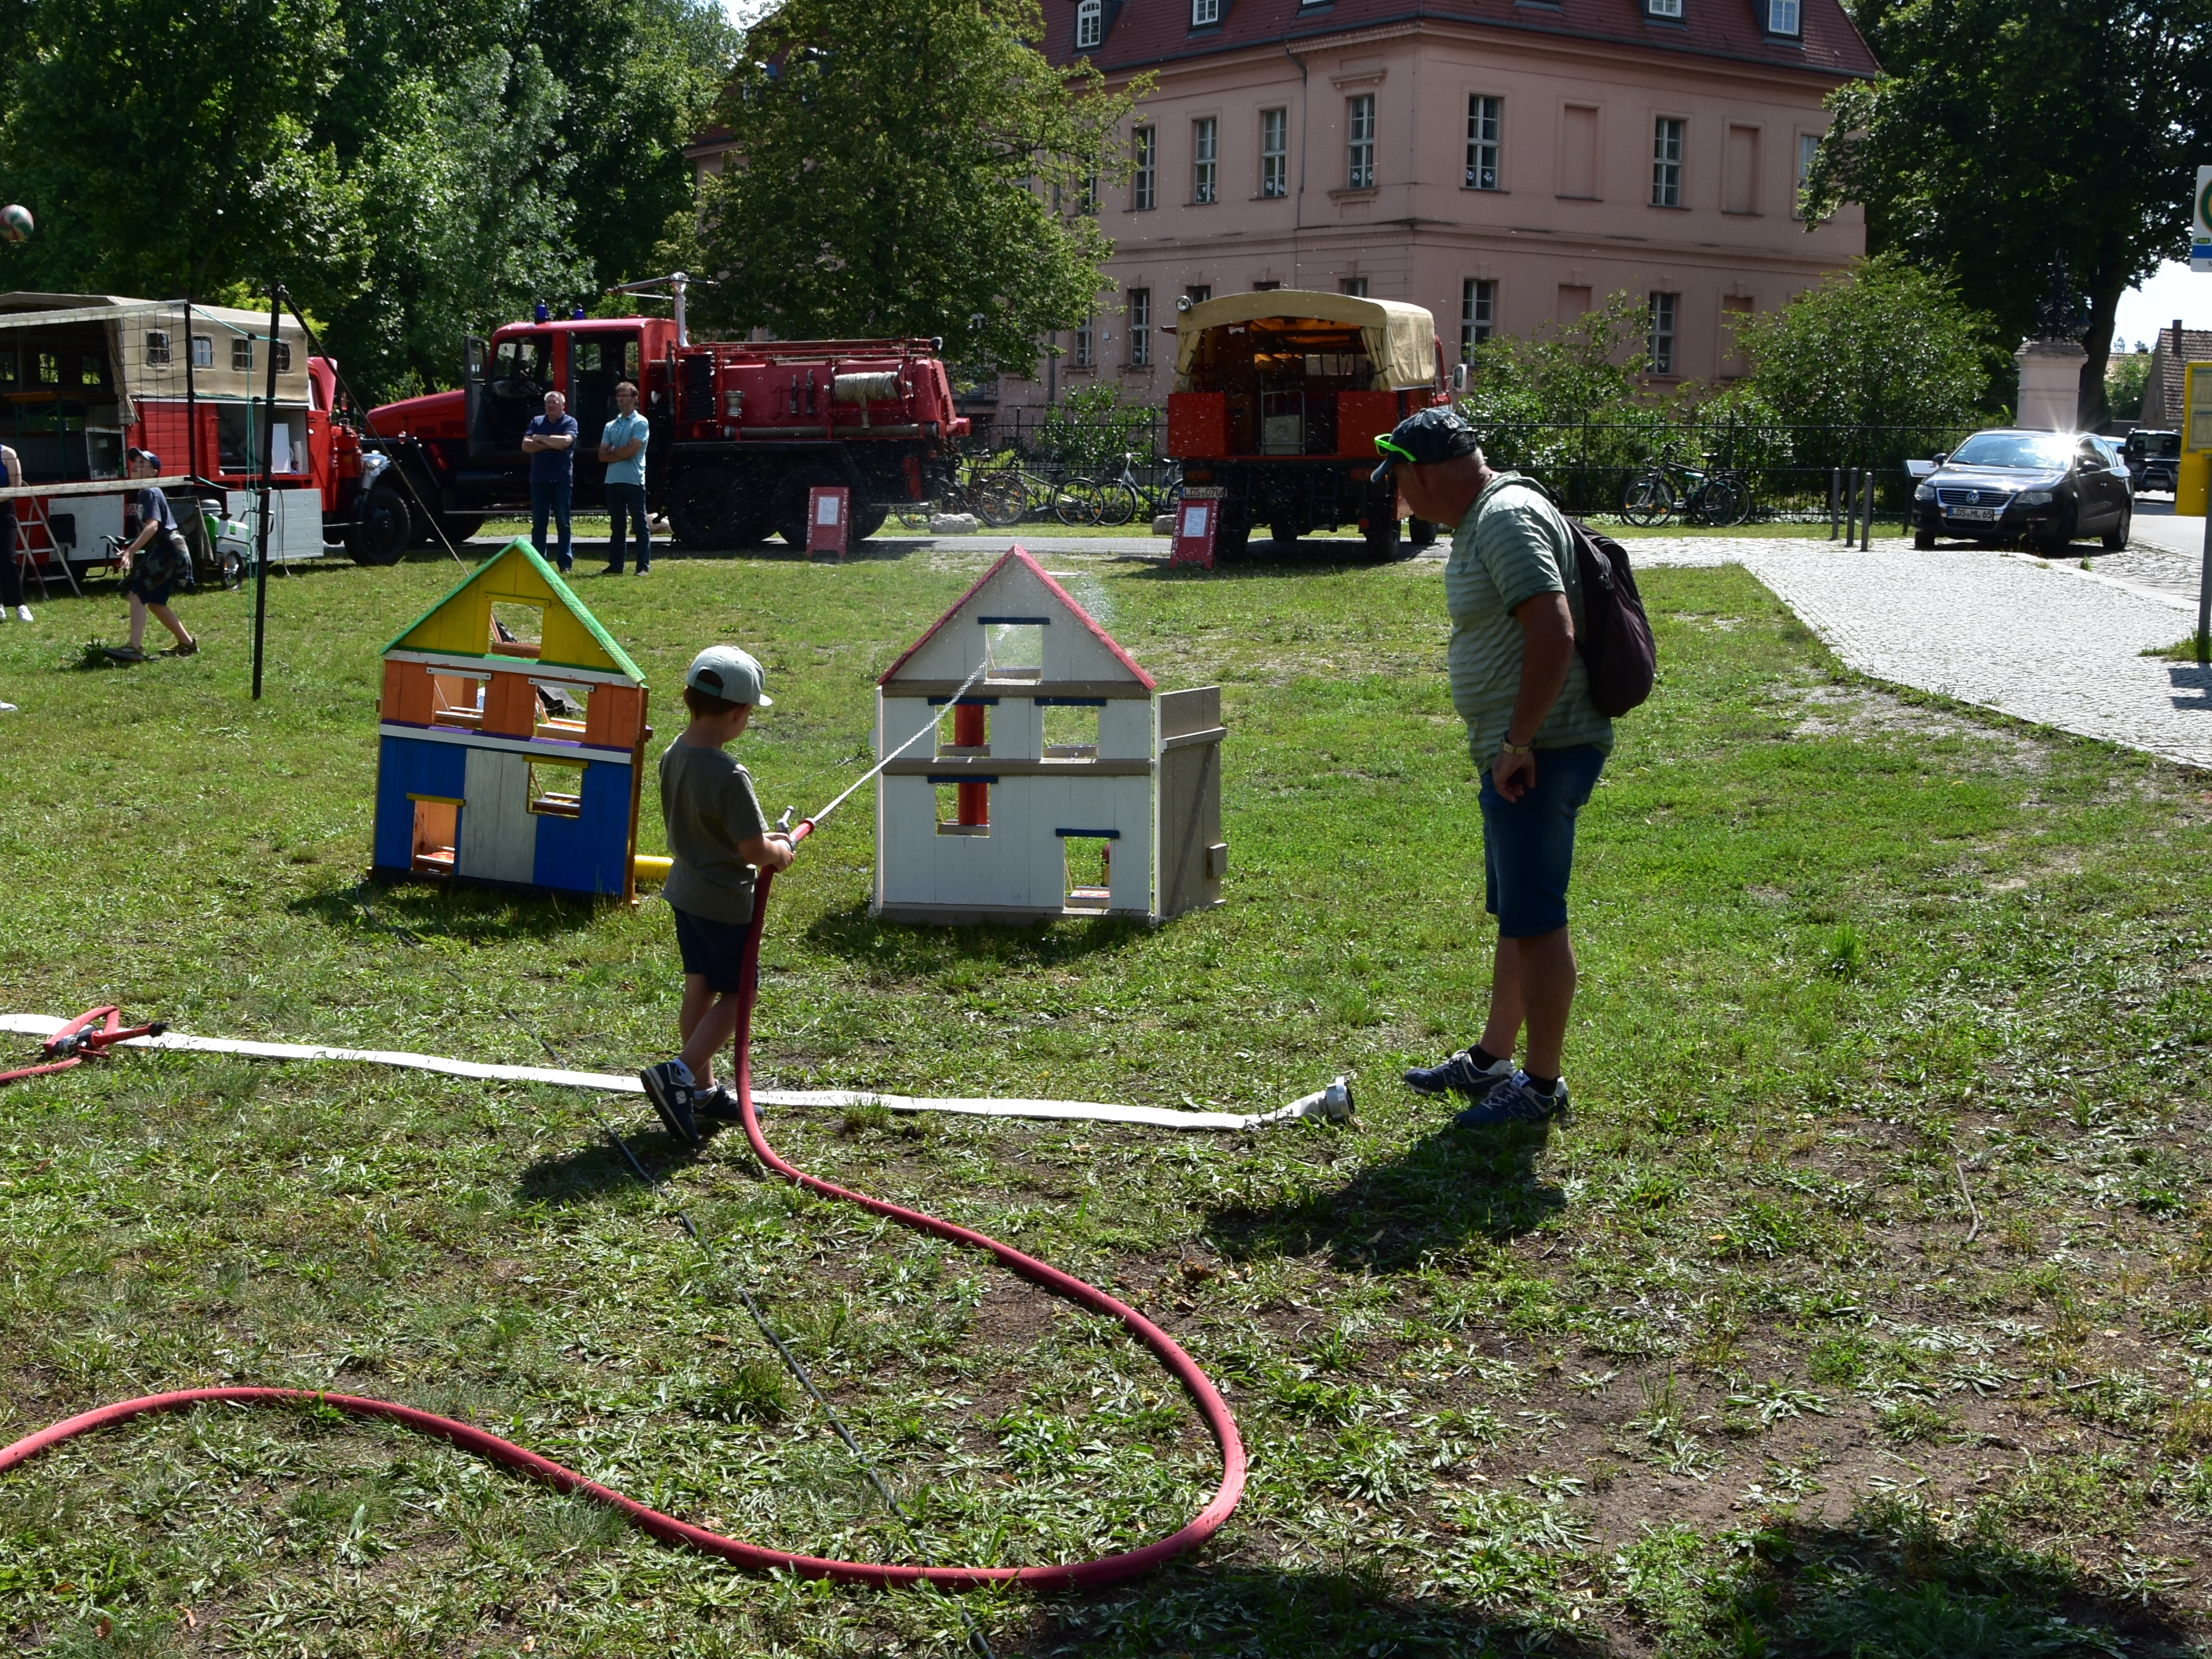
[622,447]
[1515,596]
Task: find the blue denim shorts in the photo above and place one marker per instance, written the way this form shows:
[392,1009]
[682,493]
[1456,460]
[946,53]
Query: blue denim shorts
[715,951]
[1529,845]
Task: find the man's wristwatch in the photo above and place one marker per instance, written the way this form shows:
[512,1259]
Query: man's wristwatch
[1507,746]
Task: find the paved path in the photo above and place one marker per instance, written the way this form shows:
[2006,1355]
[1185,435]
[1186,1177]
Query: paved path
[2040,640]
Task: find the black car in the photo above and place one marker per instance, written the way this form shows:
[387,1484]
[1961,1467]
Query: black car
[2153,458]
[2043,487]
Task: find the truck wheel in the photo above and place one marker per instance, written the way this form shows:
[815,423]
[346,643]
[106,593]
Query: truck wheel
[1285,534]
[868,518]
[382,529]
[1381,542]
[791,496]
[699,507]
[460,526]
[1421,533]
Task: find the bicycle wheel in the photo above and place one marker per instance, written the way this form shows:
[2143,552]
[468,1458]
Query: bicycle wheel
[1717,502]
[1117,504]
[1078,501]
[1647,500]
[913,515]
[997,498]
[1743,503]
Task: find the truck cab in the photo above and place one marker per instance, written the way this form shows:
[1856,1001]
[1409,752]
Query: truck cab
[1278,395]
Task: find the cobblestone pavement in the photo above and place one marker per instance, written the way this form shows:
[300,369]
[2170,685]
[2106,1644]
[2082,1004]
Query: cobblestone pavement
[2040,640]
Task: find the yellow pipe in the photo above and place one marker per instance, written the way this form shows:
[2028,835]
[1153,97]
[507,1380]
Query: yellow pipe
[645,868]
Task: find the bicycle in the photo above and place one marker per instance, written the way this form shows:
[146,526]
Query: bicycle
[1124,496]
[995,497]
[1668,486]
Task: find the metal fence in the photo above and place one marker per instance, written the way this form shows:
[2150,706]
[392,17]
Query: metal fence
[1789,473]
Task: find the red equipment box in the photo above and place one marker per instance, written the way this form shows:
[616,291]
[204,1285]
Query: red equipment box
[828,517]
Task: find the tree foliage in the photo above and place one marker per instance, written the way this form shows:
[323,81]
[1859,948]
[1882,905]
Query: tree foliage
[1562,374]
[2005,133]
[910,167]
[409,170]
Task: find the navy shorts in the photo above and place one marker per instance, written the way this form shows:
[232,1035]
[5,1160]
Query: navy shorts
[1529,845]
[715,951]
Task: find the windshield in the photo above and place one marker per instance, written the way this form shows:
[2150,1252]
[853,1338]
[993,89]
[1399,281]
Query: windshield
[2049,450]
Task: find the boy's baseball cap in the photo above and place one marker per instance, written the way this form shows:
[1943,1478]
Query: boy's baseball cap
[149,456]
[1430,435]
[725,671]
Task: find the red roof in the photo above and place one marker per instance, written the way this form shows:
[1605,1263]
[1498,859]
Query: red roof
[1142,33]
[1019,555]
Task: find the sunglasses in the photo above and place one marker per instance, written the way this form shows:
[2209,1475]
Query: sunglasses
[1395,451]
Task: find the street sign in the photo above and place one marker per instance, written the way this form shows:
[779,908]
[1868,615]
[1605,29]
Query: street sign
[1198,522]
[2200,223]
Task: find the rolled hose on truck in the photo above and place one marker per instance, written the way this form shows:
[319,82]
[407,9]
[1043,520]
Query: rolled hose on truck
[1105,1570]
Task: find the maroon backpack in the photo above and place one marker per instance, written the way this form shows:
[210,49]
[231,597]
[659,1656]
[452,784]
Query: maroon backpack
[1615,635]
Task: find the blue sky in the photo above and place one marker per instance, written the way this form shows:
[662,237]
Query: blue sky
[2173,290]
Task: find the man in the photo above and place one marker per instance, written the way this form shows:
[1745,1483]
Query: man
[622,447]
[549,440]
[11,568]
[1538,740]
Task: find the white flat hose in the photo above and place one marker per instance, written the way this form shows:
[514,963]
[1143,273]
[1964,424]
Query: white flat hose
[1333,1102]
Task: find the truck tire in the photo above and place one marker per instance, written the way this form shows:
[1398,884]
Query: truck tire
[1283,532]
[700,505]
[382,528]
[868,518]
[791,497]
[1380,540]
[1421,533]
[459,526]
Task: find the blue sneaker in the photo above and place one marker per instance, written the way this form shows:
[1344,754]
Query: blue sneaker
[718,1104]
[1460,1073]
[1515,1100]
[670,1091]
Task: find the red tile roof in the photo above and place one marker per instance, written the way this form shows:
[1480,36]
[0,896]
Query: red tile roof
[1143,34]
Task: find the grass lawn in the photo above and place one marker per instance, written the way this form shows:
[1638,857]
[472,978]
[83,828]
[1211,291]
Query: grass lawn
[1862,1308]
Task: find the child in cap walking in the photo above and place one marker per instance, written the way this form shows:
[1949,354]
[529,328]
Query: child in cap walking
[718,837]
[154,565]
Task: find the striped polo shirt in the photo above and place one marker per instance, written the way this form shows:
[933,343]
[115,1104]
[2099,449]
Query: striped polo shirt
[1511,546]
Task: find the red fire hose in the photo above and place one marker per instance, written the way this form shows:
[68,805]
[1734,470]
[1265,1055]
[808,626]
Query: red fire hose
[1105,1570]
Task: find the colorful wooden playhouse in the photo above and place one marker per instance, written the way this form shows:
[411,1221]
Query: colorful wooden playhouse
[1067,784]
[513,738]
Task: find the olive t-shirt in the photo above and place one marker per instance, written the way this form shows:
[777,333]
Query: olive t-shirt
[707,806]
[1511,546]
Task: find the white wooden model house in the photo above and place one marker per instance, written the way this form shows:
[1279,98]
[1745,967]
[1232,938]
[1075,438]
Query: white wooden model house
[1063,783]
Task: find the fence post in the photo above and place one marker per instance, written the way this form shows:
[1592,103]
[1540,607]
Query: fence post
[1582,470]
[1835,493]
[1866,518]
[1851,508]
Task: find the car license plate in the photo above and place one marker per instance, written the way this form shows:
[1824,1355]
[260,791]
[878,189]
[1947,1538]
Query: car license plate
[1974,514]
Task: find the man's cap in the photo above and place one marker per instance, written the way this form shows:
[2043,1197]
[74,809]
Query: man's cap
[1432,435]
[725,671]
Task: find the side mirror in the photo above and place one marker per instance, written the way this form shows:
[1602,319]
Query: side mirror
[1941,456]
[1459,377]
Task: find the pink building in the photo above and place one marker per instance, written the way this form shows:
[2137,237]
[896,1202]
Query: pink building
[1504,163]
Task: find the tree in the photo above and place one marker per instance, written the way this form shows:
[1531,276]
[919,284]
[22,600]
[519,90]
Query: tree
[899,168]
[2126,374]
[2004,133]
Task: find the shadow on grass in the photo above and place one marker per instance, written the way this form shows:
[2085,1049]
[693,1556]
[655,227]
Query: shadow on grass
[593,1170]
[919,948]
[1451,1187]
[452,910]
[1891,1583]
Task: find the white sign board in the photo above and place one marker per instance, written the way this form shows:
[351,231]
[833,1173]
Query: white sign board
[2200,223]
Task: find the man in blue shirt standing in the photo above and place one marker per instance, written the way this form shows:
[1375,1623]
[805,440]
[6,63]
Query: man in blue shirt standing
[622,447]
[549,440]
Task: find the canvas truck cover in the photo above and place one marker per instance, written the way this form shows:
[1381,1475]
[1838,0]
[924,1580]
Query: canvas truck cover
[145,369]
[1400,338]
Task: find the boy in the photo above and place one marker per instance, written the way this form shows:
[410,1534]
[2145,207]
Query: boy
[154,562]
[717,837]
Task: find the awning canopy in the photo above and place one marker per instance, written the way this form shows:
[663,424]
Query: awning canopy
[1400,338]
[148,346]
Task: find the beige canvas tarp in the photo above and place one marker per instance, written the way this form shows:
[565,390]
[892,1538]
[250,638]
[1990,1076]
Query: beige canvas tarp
[147,365]
[1400,338]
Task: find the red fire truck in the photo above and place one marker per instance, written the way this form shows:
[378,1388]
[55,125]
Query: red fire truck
[1278,395]
[740,432]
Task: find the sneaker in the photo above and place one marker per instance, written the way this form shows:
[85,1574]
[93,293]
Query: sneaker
[8,708]
[23,613]
[610,570]
[189,648]
[1460,1073]
[1513,1100]
[670,1091]
[125,653]
[719,1104]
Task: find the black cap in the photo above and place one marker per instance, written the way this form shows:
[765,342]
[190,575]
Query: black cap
[1432,435]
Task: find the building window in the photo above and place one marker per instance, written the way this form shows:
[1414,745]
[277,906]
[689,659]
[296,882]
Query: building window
[1359,142]
[1090,24]
[1663,9]
[283,356]
[1785,17]
[1265,288]
[1145,149]
[1086,354]
[1087,199]
[1202,159]
[241,353]
[1354,286]
[1274,152]
[1808,146]
[1666,161]
[203,351]
[1140,328]
[157,348]
[1478,314]
[1661,346]
[1486,118]
[1199,293]
[1203,12]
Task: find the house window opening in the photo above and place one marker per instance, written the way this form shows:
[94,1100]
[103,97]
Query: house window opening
[1663,9]
[437,833]
[1014,650]
[1090,24]
[563,711]
[1204,13]
[157,348]
[1784,17]
[1144,153]
[283,356]
[1666,161]
[964,806]
[1662,343]
[517,629]
[203,351]
[1071,731]
[1090,863]
[1274,152]
[1199,293]
[1359,143]
[964,729]
[1808,148]
[556,788]
[241,353]
[1203,159]
[1478,314]
[1140,328]
[457,701]
[1486,119]
[1087,351]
